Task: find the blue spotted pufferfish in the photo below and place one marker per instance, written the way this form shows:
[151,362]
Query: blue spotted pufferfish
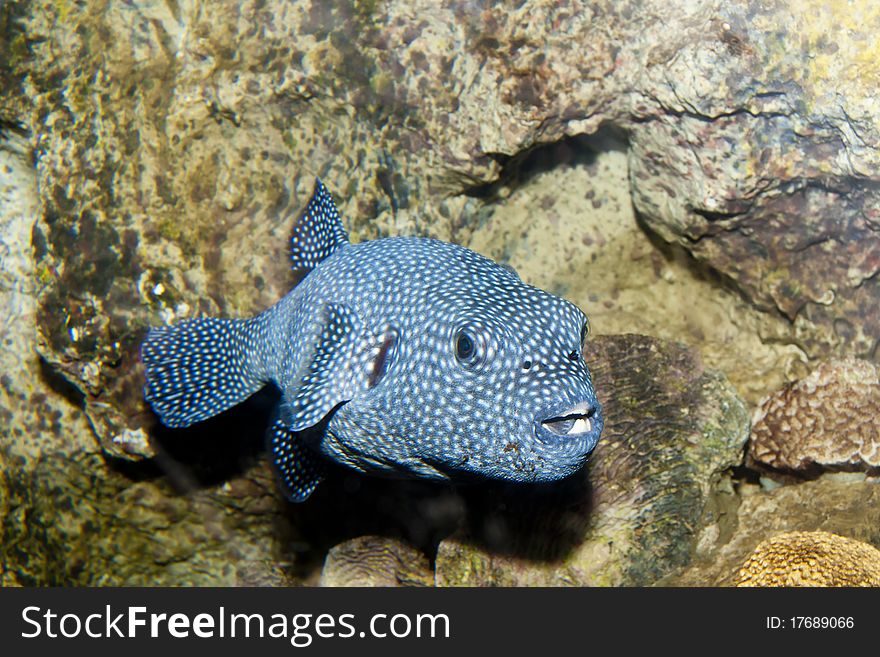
[402,356]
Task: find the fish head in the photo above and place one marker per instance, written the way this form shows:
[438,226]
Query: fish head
[481,374]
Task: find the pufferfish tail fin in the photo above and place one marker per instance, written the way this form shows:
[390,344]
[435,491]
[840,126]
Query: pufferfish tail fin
[200,367]
[318,232]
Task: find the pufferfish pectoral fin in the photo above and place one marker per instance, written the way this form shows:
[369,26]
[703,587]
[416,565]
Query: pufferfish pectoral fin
[299,469]
[329,376]
[319,231]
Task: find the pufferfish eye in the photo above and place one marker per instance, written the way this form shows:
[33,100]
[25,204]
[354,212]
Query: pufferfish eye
[575,355]
[585,332]
[468,347]
[464,347]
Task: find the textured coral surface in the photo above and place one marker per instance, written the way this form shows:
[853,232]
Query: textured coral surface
[742,517]
[811,559]
[831,418]
[376,561]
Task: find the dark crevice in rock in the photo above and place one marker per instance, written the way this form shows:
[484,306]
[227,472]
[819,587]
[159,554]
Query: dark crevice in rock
[743,474]
[687,110]
[59,383]
[740,111]
[10,128]
[15,140]
[715,216]
[838,186]
[519,168]
[699,268]
[808,472]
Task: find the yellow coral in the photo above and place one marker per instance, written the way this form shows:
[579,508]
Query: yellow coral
[811,559]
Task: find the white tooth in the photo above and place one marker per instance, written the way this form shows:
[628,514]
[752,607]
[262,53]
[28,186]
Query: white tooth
[577,409]
[581,425]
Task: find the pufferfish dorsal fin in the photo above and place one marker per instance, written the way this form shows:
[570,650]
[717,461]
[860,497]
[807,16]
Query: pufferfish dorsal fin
[329,376]
[299,469]
[319,231]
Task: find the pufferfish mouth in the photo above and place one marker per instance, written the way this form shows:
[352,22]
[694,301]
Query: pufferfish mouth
[572,421]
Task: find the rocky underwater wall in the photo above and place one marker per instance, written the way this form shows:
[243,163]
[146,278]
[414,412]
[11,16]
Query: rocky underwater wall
[704,173]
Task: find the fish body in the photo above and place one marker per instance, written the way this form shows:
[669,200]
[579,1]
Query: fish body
[401,356]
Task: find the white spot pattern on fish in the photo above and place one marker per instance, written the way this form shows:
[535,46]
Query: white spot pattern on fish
[398,356]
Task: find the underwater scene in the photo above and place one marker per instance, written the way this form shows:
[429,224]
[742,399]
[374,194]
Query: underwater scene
[439,293]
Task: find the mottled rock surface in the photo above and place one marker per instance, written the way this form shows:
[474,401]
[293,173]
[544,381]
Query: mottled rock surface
[632,516]
[376,561]
[811,559]
[66,517]
[36,414]
[173,140]
[67,521]
[843,504]
[764,161]
[830,419]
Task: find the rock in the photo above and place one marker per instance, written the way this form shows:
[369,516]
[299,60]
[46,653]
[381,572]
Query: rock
[35,410]
[66,518]
[826,420]
[846,505]
[376,561]
[764,161]
[169,160]
[68,521]
[631,517]
[811,559]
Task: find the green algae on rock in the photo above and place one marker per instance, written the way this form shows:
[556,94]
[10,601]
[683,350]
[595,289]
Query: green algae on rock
[67,521]
[672,427]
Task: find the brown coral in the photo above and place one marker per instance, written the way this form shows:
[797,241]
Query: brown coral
[811,559]
[376,561]
[828,419]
